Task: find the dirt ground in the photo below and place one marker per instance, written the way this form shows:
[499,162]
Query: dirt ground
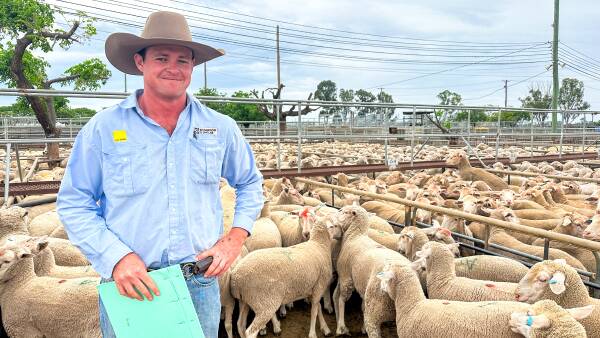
[297,321]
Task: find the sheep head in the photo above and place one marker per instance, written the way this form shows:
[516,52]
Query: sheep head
[592,231]
[352,217]
[545,280]
[17,247]
[546,315]
[393,275]
[456,157]
[13,220]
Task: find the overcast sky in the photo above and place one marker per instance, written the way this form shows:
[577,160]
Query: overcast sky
[411,49]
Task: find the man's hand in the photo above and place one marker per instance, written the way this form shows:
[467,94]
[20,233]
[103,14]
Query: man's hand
[130,275]
[224,252]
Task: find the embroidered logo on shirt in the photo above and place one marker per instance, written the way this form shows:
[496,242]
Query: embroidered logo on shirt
[119,135]
[205,131]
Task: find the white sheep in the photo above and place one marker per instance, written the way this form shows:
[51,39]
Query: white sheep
[44,224]
[359,261]
[557,281]
[442,282]
[265,233]
[296,272]
[547,319]
[44,306]
[414,312]
[45,265]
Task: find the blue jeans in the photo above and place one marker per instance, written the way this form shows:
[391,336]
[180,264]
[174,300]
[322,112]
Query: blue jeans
[207,302]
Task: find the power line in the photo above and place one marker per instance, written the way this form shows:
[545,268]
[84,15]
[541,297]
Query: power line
[575,59]
[578,52]
[326,55]
[441,71]
[501,88]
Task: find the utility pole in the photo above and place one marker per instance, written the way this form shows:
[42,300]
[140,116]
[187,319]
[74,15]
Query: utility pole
[278,60]
[276,108]
[555,68]
[205,80]
[505,93]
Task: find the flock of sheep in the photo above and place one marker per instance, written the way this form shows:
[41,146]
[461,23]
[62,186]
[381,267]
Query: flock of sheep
[312,246]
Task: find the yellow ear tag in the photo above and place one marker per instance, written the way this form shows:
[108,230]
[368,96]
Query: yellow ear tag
[119,135]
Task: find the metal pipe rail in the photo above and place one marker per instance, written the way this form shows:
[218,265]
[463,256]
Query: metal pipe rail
[559,177]
[121,95]
[580,242]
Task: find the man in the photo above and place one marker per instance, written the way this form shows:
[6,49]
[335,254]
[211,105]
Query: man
[141,190]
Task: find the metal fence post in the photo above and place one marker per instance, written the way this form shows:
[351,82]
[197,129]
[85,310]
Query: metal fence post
[498,133]
[562,130]
[412,136]
[469,125]
[7,173]
[583,134]
[278,108]
[531,138]
[299,127]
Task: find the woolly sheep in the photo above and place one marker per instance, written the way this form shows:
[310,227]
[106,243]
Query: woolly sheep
[468,173]
[53,307]
[557,281]
[359,261]
[442,282]
[414,312]
[547,319]
[493,268]
[296,272]
[265,233]
[44,224]
[45,265]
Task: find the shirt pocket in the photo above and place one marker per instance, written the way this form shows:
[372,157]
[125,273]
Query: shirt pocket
[206,159]
[125,170]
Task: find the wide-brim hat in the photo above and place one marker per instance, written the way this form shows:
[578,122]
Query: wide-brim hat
[162,28]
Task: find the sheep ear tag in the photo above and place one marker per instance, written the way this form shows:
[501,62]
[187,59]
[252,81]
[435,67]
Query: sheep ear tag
[557,283]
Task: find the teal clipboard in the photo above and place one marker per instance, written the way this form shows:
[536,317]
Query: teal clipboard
[171,314]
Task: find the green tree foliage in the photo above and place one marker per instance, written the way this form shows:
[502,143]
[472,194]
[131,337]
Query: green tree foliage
[346,95]
[237,111]
[477,115]
[362,95]
[383,97]
[539,98]
[327,91]
[570,97]
[29,25]
[441,117]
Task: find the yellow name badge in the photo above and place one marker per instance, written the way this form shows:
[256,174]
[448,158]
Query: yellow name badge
[119,135]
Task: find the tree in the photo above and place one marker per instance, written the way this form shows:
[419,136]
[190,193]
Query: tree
[570,97]
[347,95]
[237,111]
[477,115]
[539,98]
[384,97]
[362,95]
[327,91]
[441,117]
[28,25]
[270,111]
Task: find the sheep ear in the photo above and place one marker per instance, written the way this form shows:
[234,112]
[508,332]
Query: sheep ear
[431,230]
[561,261]
[566,221]
[540,322]
[418,264]
[580,313]
[423,253]
[557,283]
[436,224]
[453,246]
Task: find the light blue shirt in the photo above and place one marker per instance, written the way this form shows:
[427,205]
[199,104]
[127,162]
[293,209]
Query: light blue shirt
[130,187]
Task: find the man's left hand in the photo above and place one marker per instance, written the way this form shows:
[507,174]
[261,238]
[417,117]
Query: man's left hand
[224,252]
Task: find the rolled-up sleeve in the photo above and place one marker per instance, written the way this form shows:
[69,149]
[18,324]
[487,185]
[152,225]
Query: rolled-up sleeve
[77,207]
[239,169]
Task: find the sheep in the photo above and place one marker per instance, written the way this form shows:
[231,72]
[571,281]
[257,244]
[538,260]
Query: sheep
[45,265]
[265,233]
[466,172]
[228,198]
[572,225]
[592,231]
[442,282]
[459,319]
[227,300]
[493,268]
[359,261]
[59,232]
[296,272]
[44,306]
[13,220]
[295,228]
[389,240]
[289,196]
[500,237]
[557,281]
[547,319]
[385,211]
[380,224]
